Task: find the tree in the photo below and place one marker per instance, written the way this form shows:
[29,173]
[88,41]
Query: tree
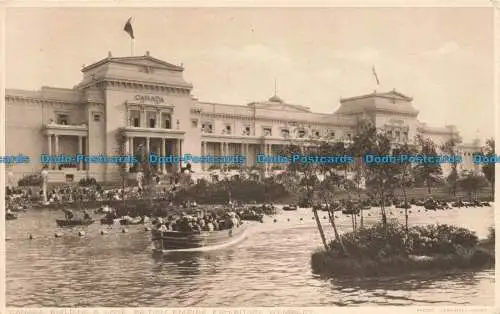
[306,176]
[326,190]
[362,144]
[471,183]
[405,179]
[427,172]
[382,178]
[450,148]
[489,168]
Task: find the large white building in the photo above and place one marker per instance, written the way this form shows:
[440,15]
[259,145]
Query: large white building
[150,100]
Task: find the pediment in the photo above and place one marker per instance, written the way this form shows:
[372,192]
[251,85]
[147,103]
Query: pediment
[148,62]
[396,95]
[280,107]
[143,61]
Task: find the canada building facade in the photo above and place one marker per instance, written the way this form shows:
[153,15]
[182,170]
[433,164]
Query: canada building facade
[150,102]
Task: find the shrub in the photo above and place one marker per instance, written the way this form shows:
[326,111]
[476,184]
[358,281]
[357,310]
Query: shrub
[31,180]
[378,242]
[376,251]
[87,182]
[372,242]
[439,239]
[243,190]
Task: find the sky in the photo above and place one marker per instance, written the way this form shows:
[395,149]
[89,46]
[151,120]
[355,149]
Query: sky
[442,57]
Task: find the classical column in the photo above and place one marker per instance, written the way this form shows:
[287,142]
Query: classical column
[203,153]
[246,152]
[268,153]
[144,118]
[49,142]
[179,150]
[163,154]
[85,147]
[158,119]
[57,144]
[127,152]
[49,138]
[147,144]
[56,148]
[221,148]
[80,151]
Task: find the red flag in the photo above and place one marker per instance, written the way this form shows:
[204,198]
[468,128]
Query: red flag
[128,28]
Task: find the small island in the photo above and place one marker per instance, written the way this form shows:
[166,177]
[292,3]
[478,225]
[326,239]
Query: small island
[391,250]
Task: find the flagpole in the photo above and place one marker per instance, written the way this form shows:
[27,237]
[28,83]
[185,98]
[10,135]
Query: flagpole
[132,47]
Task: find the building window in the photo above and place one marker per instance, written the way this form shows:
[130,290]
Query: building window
[316,134]
[285,132]
[194,123]
[301,133]
[246,130]
[331,134]
[70,178]
[267,131]
[166,121]
[398,135]
[227,130]
[97,117]
[136,122]
[135,118]
[152,123]
[206,128]
[62,119]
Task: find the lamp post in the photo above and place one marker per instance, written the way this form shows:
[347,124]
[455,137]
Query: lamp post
[45,174]
[10,177]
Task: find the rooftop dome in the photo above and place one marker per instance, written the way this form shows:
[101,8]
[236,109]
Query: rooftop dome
[275,98]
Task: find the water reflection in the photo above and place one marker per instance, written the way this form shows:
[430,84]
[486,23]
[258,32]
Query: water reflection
[270,268]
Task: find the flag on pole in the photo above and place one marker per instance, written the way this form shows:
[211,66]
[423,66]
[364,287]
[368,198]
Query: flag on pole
[128,28]
[375,75]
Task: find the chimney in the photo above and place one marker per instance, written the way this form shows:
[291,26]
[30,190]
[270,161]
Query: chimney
[147,53]
[109,54]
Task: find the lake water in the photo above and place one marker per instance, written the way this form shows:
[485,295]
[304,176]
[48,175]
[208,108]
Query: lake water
[270,268]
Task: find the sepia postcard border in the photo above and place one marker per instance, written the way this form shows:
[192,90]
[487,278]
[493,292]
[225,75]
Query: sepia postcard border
[494,4]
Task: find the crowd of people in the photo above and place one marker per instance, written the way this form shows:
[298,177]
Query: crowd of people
[210,222]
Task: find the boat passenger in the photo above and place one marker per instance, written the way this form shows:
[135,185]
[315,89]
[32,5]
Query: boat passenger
[69,214]
[86,215]
[163,228]
[210,226]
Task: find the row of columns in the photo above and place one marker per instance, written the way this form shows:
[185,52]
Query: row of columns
[80,165]
[162,151]
[224,150]
[143,118]
[244,150]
